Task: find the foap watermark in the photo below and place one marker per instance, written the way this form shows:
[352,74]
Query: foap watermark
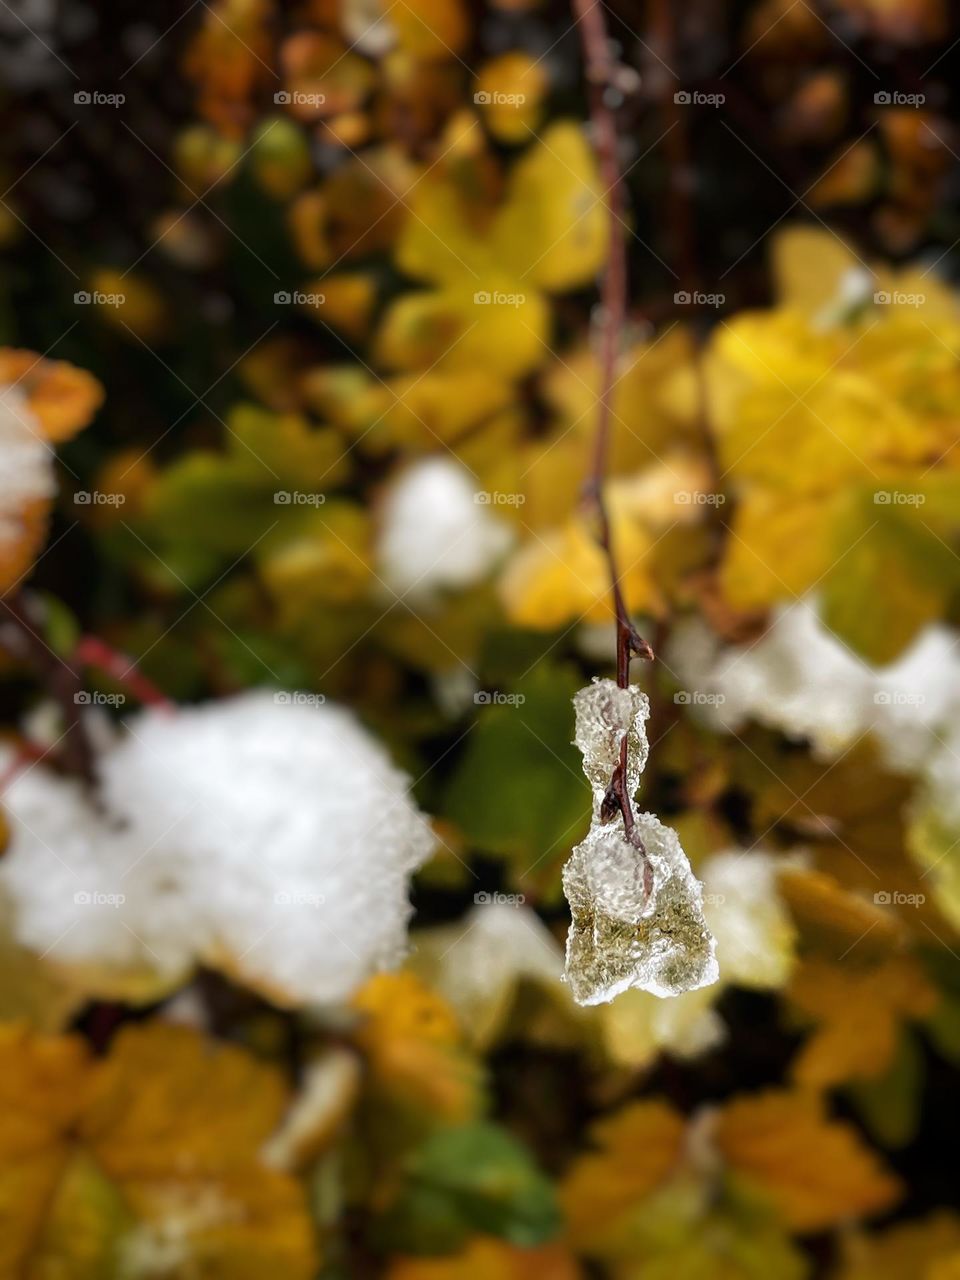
[895,898]
[698,498]
[496,498]
[96,98]
[492,98]
[94,898]
[298,898]
[97,298]
[297,298]
[298,698]
[494,698]
[298,98]
[684,298]
[694,98]
[98,498]
[298,498]
[896,98]
[698,698]
[897,298]
[494,298]
[496,899]
[898,698]
[898,498]
[93,698]
[714,899]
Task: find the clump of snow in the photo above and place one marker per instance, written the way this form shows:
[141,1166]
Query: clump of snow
[801,679]
[26,463]
[636,913]
[477,963]
[749,919]
[437,533]
[271,838]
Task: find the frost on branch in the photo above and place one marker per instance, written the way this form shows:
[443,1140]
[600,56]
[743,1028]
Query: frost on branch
[636,907]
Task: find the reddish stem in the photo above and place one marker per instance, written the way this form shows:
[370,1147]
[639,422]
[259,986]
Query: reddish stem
[91,651]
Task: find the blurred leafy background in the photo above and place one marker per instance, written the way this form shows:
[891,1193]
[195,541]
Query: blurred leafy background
[318,281]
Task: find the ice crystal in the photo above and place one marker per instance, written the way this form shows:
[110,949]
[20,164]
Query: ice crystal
[605,712]
[636,907]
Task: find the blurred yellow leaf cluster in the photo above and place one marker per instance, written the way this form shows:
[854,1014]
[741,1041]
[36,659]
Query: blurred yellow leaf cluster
[147,1159]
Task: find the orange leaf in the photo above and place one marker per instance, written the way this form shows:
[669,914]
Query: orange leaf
[816,1171]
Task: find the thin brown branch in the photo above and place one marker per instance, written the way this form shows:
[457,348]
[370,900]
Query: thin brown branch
[602,76]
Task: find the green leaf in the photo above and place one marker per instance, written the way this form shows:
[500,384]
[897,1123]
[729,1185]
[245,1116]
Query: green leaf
[469,1179]
[890,1105]
[893,574]
[518,789]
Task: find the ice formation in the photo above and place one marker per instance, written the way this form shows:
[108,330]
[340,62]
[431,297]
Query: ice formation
[636,918]
[437,532]
[26,463]
[801,679]
[270,837]
[756,944]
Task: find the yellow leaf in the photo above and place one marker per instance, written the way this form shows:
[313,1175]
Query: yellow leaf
[488,1259]
[815,1170]
[133,305]
[484,323]
[552,228]
[32,990]
[858,1014]
[416,1049]
[654,402]
[430,28]
[562,575]
[807,262]
[327,561]
[61,397]
[322,76]
[850,178]
[510,89]
[104,1163]
[917,1250]
[636,1150]
[777,548]
[62,400]
[347,304]
[831,919]
[547,234]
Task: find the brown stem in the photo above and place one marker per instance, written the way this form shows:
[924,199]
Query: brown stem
[601,71]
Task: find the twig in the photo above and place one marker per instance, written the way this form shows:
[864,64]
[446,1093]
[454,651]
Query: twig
[94,652]
[602,74]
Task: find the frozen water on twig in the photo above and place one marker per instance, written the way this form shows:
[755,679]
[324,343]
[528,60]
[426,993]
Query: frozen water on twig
[605,712]
[636,907]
